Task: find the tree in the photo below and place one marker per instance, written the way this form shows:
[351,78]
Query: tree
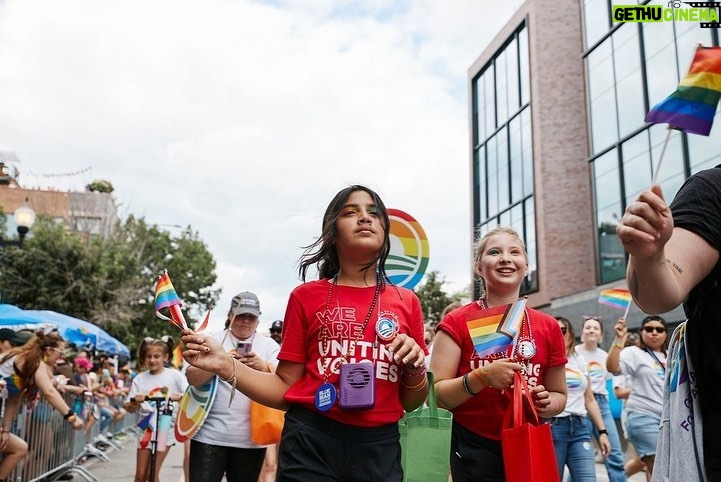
[433,298]
[110,281]
[100,185]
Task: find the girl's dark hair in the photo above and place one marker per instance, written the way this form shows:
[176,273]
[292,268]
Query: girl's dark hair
[647,320]
[165,342]
[323,252]
[32,352]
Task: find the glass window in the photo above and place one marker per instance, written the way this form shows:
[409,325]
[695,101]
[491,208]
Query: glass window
[504,198]
[501,89]
[596,20]
[660,53]
[636,165]
[480,110]
[688,36]
[527,150]
[671,172]
[492,173]
[512,77]
[515,155]
[612,261]
[604,124]
[525,77]
[629,87]
[479,171]
[489,100]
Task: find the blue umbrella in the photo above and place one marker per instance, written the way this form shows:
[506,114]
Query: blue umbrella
[13,317]
[82,332]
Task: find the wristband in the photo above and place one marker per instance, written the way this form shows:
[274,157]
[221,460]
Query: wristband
[616,345]
[68,415]
[603,432]
[465,385]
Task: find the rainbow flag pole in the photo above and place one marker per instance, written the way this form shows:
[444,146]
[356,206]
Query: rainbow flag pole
[692,107]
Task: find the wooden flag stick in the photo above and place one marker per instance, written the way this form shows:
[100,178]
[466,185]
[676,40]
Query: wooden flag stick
[660,158]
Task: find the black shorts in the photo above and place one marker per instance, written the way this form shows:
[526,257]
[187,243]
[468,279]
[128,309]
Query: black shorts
[475,458]
[315,447]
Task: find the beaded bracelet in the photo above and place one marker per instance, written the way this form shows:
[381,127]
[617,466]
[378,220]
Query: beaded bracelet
[417,387]
[230,381]
[420,373]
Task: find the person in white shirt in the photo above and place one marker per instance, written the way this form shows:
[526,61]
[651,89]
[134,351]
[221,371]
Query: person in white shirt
[646,364]
[223,444]
[571,436]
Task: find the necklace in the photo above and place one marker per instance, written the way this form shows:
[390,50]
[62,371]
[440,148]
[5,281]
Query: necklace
[326,394]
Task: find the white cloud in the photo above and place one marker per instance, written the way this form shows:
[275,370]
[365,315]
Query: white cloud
[247,117]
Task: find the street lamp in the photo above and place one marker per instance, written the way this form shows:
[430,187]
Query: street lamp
[24,217]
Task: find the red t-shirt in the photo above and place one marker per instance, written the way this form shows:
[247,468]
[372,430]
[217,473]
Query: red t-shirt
[483,414]
[304,337]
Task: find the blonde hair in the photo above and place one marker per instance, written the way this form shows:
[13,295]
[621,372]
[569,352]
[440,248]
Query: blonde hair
[480,247]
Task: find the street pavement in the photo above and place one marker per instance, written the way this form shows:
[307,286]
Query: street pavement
[122,465]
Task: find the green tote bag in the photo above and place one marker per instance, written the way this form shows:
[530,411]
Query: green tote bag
[426,441]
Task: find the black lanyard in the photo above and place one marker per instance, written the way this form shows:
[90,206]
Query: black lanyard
[653,355]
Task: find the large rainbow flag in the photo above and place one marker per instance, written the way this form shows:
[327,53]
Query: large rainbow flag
[166,297]
[692,107]
[493,330]
[618,298]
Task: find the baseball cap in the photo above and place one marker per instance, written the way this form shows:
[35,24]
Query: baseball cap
[276,326]
[6,334]
[245,302]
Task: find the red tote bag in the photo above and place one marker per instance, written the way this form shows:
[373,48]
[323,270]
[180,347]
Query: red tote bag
[528,454]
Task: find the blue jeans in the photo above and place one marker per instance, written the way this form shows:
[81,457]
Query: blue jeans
[614,462]
[574,448]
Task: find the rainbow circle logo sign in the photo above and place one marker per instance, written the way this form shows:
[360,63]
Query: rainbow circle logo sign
[408,259]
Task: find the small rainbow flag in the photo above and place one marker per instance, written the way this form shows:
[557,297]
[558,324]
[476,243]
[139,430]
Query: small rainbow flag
[692,107]
[618,298]
[166,297]
[493,330]
[177,360]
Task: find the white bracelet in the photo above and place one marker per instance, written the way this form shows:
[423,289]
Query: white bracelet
[230,381]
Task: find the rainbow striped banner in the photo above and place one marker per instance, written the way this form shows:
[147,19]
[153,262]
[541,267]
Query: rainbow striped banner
[617,298]
[494,329]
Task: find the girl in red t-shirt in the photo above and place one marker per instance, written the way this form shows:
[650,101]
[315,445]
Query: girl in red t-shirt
[352,358]
[472,387]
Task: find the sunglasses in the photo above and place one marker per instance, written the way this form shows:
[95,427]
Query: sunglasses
[657,329]
[564,330]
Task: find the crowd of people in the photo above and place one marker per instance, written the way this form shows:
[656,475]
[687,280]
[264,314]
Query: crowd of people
[353,327]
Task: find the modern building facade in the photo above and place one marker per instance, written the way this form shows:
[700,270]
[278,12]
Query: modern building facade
[559,145]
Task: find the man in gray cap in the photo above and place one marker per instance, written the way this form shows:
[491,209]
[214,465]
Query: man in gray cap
[223,444]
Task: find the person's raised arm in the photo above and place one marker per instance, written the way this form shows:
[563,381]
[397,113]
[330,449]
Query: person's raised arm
[266,388]
[665,263]
[45,384]
[613,361]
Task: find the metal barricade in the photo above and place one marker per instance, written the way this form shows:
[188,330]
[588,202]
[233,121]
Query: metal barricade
[55,448]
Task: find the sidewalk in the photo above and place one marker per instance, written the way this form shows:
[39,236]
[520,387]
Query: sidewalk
[122,465]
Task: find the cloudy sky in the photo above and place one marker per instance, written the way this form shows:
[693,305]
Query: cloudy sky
[244,118]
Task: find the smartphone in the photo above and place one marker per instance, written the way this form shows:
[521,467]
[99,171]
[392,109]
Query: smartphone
[243,348]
